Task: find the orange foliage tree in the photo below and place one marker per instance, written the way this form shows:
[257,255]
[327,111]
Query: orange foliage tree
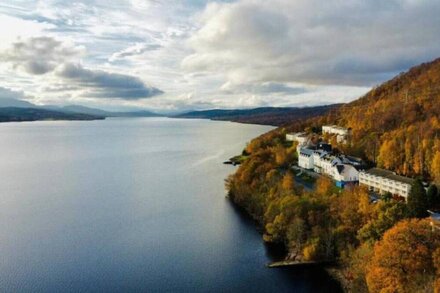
[403,259]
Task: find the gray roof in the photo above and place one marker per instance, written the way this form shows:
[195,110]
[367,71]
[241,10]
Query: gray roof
[389,175]
[306,151]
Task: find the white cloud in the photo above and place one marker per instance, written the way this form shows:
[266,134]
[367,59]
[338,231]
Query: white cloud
[102,84]
[14,28]
[47,55]
[135,50]
[40,55]
[316,42]
[241,53]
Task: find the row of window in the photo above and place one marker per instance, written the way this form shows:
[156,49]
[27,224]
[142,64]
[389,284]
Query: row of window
[384,180]
[383,187]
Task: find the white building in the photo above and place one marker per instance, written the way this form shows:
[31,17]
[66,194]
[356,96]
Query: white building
[300,137]
[305,158]
[384,181]
[317,160]
[334,129]
[345,174]
[328,162]
[340,132]
[339,169]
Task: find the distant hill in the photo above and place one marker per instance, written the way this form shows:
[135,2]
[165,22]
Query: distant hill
[15,114]
[15,103]
[8,102]
[266,115]
[99,112]
[94,111]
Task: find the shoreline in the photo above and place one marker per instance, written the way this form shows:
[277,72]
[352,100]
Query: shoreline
[225,120]
[332,269]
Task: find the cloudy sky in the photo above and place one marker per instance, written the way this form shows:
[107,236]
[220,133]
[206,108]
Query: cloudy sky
[171,55]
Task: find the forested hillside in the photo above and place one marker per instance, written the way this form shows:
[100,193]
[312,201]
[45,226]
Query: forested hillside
[266,116]
[387,246]
[397,124]
[14,114]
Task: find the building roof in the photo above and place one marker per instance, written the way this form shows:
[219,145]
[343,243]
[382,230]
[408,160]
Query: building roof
[320,152]
[306,151]
[389,175]
[297,134]
[335,127]
[342,168]
[355,159]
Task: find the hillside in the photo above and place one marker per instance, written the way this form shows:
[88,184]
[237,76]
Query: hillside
[397,124]
[9,102]
[266,115]
[13,114]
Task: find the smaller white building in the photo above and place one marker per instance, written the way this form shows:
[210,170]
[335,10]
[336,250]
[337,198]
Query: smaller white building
[305,158]
[300,137]
[334,129]
[384,181]
[340,132]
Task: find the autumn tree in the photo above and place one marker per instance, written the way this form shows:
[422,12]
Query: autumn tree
[436,259]
[387,214]
[288,183]
[435,167]
[403,260]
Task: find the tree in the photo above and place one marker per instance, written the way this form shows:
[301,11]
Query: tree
[417,200]
[433,196]
[388,214]
[288,183]
[403,260]
[435,167]
[436,259]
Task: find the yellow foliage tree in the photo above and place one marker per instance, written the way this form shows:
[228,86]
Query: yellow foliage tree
[435,167]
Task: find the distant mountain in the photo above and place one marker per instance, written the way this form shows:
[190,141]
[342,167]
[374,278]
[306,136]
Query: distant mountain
[16,114]
[99,112]
[141,113]
[267,115]
[83,110]
[9,102]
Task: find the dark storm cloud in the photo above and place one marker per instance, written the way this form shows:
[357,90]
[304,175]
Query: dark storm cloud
[102,84]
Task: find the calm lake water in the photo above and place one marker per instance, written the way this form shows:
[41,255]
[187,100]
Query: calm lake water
[130,205]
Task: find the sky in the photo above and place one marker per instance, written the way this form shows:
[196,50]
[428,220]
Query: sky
[170,55]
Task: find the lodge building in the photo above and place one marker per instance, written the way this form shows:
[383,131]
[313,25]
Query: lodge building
[383,181]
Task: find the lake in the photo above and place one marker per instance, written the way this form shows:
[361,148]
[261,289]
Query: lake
[130,204]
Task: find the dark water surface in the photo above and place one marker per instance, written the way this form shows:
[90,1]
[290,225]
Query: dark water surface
[130,205]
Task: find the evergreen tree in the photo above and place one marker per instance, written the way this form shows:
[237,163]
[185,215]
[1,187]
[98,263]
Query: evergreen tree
[433,196]
[417,200]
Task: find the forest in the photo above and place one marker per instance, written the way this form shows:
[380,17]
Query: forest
[384,246]
[275,116]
